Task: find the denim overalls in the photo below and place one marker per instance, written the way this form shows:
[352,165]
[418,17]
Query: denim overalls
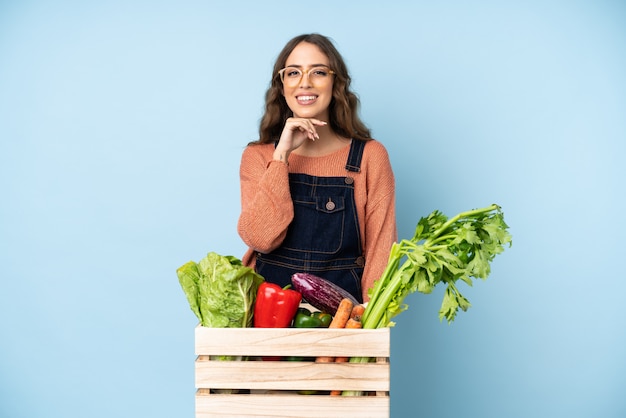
[324,237]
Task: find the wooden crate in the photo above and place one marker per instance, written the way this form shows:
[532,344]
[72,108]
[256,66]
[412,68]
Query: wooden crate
[273,388]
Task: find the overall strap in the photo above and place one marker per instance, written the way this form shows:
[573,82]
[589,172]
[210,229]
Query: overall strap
[356,153]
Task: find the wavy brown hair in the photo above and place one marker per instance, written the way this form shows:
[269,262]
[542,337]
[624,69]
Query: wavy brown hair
[344,105]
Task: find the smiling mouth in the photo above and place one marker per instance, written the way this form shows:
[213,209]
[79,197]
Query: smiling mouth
[306,99]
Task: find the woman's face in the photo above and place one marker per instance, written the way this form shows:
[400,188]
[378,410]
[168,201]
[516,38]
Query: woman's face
[311,95]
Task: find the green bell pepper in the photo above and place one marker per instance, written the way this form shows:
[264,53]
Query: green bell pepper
[305,319]
[326,318]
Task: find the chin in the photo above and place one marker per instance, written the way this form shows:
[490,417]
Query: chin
[311,114]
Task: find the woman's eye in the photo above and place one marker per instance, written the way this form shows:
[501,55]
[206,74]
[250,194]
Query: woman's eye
[293,73]
[320,72]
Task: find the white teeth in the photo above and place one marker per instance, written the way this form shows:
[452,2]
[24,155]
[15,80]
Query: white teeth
[306,97]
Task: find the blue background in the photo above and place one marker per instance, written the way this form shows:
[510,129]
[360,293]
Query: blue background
[121,128]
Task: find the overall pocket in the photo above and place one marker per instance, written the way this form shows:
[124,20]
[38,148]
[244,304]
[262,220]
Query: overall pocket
[318,225]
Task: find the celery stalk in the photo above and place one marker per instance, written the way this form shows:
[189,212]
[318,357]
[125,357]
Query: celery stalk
[442,250]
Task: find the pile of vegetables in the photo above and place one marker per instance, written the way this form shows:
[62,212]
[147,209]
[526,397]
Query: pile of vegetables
[223,293]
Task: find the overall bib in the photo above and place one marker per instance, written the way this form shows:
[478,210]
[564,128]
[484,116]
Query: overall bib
[324,237]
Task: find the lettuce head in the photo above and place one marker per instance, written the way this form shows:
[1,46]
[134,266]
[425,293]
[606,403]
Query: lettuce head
[220,290]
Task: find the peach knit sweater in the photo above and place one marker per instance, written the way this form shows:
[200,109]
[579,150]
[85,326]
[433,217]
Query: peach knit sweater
[267,208]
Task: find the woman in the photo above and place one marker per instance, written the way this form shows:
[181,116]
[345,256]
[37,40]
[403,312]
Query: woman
[317,192]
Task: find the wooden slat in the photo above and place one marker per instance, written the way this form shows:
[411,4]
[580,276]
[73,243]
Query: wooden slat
[294,406]
[288,375]
[292,341]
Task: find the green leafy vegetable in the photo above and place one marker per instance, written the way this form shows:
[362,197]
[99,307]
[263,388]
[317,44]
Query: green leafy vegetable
[220,290]
[441,251]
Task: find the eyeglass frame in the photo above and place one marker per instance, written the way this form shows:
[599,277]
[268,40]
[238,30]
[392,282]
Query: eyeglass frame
[308,73]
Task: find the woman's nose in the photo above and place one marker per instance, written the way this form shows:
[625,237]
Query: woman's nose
[305,81]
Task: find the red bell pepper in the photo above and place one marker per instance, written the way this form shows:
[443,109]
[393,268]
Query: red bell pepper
[275,307]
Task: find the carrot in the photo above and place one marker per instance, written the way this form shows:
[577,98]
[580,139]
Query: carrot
[343,314]
[357,312]
[339,321]
[351,324]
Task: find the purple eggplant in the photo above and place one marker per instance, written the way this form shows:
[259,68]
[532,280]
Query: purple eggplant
[320,293]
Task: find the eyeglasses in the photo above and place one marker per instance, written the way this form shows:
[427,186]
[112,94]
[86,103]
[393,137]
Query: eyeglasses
[291,76]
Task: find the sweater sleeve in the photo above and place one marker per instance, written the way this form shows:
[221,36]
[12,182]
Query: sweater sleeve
[380,218]
[266,205]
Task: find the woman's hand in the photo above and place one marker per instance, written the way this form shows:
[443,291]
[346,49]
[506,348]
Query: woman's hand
[295,132]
